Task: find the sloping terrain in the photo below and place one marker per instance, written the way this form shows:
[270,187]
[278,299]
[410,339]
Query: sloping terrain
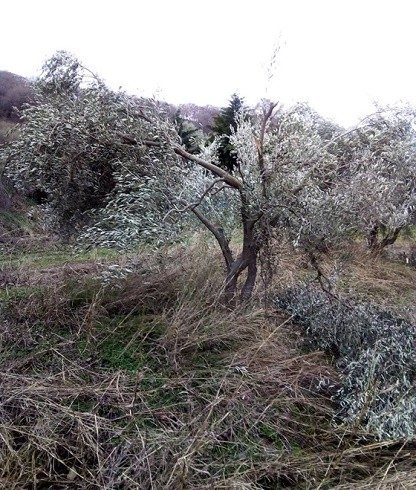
[125,371]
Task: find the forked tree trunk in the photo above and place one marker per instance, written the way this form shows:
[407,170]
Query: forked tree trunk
[375,244]
[247,260]
[372,238]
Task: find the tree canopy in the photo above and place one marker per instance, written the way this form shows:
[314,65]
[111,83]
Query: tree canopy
[118,166]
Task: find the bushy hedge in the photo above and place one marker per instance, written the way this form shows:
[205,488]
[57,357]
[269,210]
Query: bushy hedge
[375,352]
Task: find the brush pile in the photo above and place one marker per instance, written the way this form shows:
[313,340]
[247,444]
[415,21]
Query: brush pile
[374,351]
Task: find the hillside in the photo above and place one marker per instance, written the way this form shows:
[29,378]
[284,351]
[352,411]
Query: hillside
[15,91]
[124,371]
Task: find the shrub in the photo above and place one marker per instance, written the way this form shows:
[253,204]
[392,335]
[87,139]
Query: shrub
[375,352]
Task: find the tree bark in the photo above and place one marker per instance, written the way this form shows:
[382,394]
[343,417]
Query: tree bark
[376,245]
[219,235]
[372,238]
[247,260]
[231,281]
[390,238]
[250,282]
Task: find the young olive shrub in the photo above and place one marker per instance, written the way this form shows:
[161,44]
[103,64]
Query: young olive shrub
[379,185]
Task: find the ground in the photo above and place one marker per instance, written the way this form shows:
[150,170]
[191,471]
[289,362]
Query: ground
[125,371]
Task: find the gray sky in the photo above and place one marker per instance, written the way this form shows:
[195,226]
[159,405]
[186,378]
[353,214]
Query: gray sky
[339,55]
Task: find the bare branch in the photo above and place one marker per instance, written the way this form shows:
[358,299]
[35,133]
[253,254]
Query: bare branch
[267,114]
[206,191]
[219,235]
[228,178]
[192,205]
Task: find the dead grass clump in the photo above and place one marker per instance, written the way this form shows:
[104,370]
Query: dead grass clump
[171,276]
[400,480]
[354,272]
[89,416]
[136,383]
[148,381]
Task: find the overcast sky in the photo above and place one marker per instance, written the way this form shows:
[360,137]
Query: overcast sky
[339,55]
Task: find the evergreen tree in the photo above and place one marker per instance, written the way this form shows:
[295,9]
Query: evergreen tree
[224,123]
[190,135]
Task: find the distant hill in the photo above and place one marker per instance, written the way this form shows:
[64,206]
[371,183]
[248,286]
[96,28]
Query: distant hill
[15,91]
[201,115]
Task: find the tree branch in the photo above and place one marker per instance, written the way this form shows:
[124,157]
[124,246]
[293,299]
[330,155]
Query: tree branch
[192,205]
[267,114]
[228,178]
[206,191]
[219,236]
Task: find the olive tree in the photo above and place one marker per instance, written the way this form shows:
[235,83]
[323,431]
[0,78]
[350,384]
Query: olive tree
[280,185]
[75,141]
[120,161]
[378,188]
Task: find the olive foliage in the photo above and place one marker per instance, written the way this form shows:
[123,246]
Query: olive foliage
[381,184]
[373,349]
[117,165]
[76,149]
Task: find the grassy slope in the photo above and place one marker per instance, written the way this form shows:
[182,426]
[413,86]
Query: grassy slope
[149,382]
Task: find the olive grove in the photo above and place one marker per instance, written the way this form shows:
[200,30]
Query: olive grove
[114,167]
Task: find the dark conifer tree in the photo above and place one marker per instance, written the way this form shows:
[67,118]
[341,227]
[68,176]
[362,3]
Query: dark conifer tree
[223,125]
[187,132]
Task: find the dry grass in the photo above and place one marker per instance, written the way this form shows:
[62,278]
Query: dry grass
[150,382]
[397,480]
[383,281]
[353,271]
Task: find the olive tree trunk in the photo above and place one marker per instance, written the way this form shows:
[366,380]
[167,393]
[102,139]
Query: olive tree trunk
[377,243]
